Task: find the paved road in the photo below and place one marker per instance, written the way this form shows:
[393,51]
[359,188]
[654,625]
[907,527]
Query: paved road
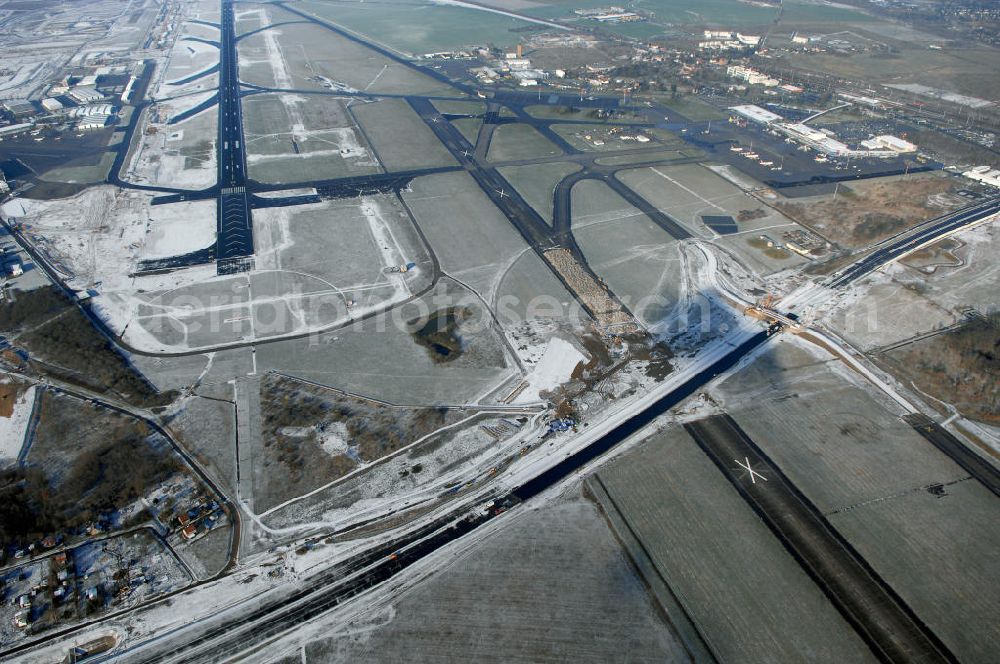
[907,242]
[884,621]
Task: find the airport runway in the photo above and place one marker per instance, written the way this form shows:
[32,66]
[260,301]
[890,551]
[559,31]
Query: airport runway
[234,243]
[881,618]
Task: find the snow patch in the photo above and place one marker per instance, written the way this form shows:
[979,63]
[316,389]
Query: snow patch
[12,428]
[180,228]
[333,439]
[555,368]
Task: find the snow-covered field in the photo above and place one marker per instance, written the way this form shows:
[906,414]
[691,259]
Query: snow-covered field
[179,228]
[12,428]
[176,155]
[553,369]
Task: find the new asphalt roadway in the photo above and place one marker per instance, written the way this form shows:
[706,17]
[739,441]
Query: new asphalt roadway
[902,244]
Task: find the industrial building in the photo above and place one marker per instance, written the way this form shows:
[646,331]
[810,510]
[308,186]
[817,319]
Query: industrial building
[93,122]
[94,116]
[20,108]
[127,92]
[11,130]
[888,142]
[93,109]
[85,95]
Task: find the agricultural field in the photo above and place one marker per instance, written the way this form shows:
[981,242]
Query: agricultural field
[544,612]
[914,514]
[661,490]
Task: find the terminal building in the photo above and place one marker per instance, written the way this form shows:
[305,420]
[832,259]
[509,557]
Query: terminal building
[824,140]
[819,140]
[756,114]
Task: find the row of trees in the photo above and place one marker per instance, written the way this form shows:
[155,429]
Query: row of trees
[60,334]
[110,476]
